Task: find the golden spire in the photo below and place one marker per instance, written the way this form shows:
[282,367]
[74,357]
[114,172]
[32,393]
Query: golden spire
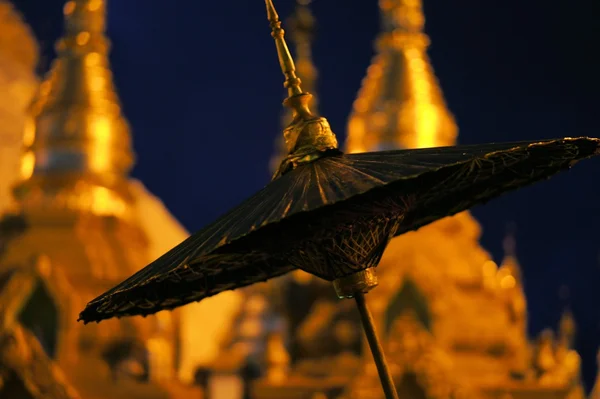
[509,272]
[18,84]
[567,329]
[308,136]
[302,25]
[400,104]
[77,143]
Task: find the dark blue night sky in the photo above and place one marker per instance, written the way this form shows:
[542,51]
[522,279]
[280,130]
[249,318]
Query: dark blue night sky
[201,86]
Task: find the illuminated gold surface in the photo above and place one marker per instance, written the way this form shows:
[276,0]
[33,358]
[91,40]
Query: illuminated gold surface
[78,146]
[421,368]
[400,103]
[21,353]
[278,359]
[556,363]
[471,314]
[18,83]
[83,226]
[163,232]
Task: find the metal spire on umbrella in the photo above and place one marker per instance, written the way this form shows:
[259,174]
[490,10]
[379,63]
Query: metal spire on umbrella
[332,214]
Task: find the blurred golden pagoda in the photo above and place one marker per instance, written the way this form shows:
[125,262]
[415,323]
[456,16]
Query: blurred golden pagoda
[400,92]
[77,230]
[454,323]
[18,83]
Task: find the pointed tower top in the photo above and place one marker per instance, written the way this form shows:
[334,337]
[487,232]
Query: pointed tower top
[400,103]
[78,145]
[402,15]
[18,84]
[567,328]
[302,24]
[509,273]
[309,136]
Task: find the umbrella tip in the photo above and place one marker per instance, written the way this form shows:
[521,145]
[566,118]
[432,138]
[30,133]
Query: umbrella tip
[297,99]
[84,316]
[272,15]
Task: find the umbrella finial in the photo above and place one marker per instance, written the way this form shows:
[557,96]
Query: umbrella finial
[292,82]
[309,136]
[302,29]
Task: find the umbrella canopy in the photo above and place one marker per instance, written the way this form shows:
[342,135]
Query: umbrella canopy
[333,217]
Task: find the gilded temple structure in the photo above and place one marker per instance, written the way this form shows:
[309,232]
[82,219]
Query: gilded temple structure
[18,82]
[453,322]
[75,230]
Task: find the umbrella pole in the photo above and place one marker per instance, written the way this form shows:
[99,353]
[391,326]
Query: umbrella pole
[355,286]
[376,349]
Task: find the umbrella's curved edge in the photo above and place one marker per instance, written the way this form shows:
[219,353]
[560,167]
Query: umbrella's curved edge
[528,143]
[541,178]
[97,316]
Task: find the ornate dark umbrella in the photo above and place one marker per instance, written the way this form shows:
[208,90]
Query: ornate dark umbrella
[332,214]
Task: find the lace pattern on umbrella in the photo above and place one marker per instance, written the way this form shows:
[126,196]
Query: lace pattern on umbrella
[351,250]
[219,272]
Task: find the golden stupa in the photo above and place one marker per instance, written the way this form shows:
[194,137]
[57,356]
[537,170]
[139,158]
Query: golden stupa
[79,225]
[454,323]
[18,82]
